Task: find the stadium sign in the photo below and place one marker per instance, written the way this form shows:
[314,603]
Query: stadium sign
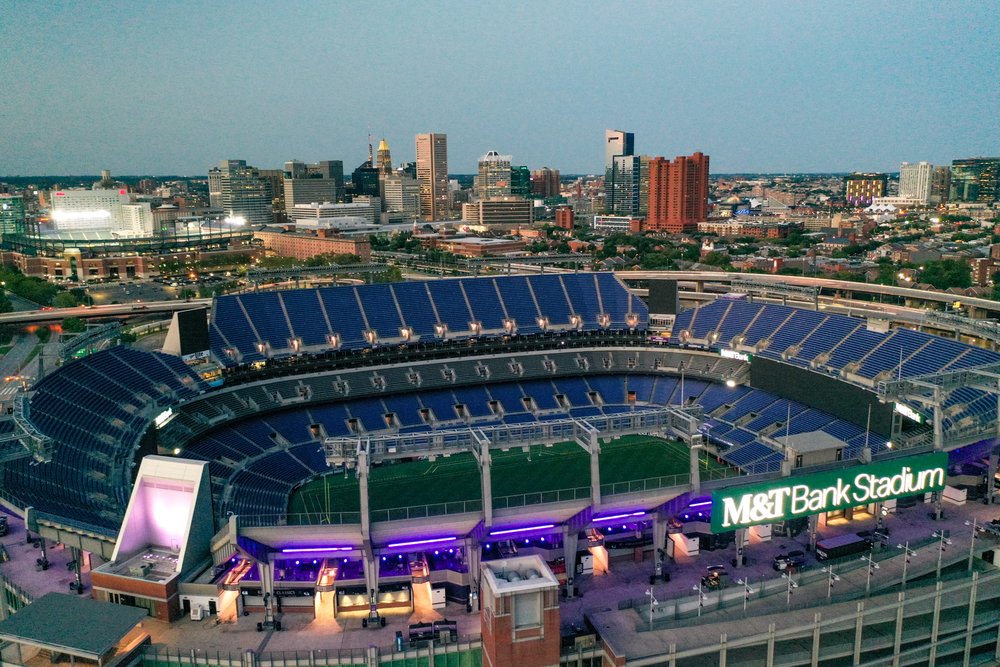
[733,354]
[794,497]
[907,411]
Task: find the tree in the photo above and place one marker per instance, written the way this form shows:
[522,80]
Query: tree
[43,333]
[946,274]
[74,325]
[5,305]
[65,300]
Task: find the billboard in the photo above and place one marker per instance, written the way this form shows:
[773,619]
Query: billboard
[794,497]
[823,392]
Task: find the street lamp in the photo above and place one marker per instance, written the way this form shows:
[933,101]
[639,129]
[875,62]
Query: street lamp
[747,591]
[788,590]
[972,542]
[872,566]
[943,536]
[652,602]
[701,597]
[907,553]
[829,580]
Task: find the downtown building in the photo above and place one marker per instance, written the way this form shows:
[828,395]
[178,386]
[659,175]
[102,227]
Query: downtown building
[493,177]
[545,182]
[244,192]
[308,183]
[975,180]
[678,193]
[432,175]
[861,189]
[915,181]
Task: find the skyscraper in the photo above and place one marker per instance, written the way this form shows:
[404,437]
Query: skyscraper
[678,193]
[432,175]
[383,159]
[245,192]
[493,178]
[520,182]
[975,180]
[364,181]
[915,181]
[621,173]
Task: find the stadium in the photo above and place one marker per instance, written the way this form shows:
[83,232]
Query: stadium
[491,446]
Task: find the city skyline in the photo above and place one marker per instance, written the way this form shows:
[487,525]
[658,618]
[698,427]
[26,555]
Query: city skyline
[811,88]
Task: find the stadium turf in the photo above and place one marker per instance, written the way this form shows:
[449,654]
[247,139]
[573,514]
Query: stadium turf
[514,472]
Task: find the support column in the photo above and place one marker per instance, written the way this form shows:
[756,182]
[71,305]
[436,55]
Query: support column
[595,471]
[817,624]
[473,560]
[899,628]
[991,473]
[695,470]
[486,478]
[741,538]
[362,472]
[770,644]
[938,420]
[813,527]
[77,555]
[370,562]
[971,618]
[859,626]
[659,542]
[935,625]
[570,543]
[723,641]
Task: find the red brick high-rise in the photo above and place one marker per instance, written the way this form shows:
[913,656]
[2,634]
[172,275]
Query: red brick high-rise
[678,193]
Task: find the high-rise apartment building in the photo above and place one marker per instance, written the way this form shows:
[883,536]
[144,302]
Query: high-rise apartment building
[520,182]
[621,173]
[246,192]
[432,175]
[975,180]
[215,187]
[493,178]
[915,181]
[12,217]
[545,182]
[940,185]
[861,189]
[678,193]
[308,183]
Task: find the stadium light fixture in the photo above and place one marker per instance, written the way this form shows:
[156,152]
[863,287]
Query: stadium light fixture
[417,543]
[526,529]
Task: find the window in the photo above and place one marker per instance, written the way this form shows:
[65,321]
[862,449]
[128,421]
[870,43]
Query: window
[527,610]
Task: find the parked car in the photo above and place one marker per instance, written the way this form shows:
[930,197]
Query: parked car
[793,559]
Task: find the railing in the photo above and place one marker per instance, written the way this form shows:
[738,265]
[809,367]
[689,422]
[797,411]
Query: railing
[299,519]
[429,510]
[648,484]
[541,497]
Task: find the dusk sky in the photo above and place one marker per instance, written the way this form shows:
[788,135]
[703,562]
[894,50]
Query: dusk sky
[174,87]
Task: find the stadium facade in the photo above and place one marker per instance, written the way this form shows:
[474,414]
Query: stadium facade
[360,440]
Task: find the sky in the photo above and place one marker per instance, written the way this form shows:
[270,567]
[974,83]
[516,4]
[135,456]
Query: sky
[173,87]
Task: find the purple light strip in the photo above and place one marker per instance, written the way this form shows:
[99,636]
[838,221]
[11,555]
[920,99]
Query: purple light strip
[511,531]
[300,550]
[615,517]
[416,543]
[701,503]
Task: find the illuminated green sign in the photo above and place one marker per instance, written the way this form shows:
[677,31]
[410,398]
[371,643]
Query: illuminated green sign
[792,497]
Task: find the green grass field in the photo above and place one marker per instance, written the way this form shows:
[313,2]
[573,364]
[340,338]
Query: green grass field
[456,478]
